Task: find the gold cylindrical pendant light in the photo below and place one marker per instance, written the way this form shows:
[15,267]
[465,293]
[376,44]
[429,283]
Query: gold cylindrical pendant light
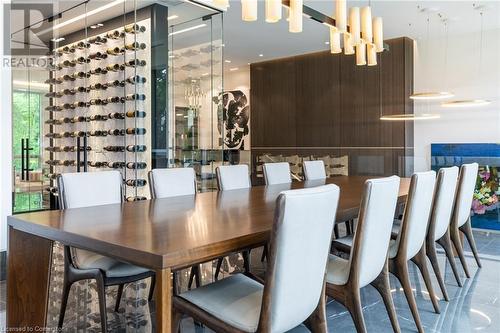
[378,34]
[222,3]
[249,10]
[341,15]
[354,25]
[335,41]
[348,46]
[361,54]
[273,11]
[295,16]
[366,24]
[371,54]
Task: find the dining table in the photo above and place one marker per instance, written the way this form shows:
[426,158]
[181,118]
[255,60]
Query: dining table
[163,235]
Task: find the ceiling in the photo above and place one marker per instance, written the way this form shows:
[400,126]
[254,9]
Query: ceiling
[245,41]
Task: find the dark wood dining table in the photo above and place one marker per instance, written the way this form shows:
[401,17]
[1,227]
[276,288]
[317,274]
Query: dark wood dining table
[161,234]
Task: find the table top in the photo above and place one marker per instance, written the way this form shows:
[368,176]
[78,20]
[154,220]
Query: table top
[180,231]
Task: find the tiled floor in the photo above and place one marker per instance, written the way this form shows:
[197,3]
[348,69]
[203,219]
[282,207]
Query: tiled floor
[474,307]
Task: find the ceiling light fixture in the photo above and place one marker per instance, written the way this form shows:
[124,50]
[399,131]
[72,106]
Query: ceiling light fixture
[410,116]
[273,11]
[172,17]
[354,25]
[431,95]
[95,26]
[233,69]
[466,103]
[341,15]
[249,10]
[227,61]
[295,15]
[261,55]
[366,24]
[57,40]
[224,4]
[187,29]
[335,47]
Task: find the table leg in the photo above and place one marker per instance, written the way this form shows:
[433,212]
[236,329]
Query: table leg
[164,294]
[29,260]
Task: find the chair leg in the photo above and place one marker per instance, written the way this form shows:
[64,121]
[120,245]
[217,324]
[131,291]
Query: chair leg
[353,304]
[432,255]
[152,288]
[246,260]
[176,320]
[64,303]
[118,297]
[445,243]
[217,269]
[264,253]
[401,272]
[467,230]
[455,238]
[381,283]
[420,261]
[316,322]
[101,293]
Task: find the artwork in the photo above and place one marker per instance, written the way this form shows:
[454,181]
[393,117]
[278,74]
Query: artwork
[234,119]
[485,210]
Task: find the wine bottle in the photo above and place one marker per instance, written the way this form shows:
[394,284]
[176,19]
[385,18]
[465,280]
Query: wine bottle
[136,165]
[54,108]
[53,135]
[53,149]
[52,189]
[113,99]
[98,133]
[113,67]
[136,114]
[137,131]
[98,117]
[136,148]
[66,120]
[80,104]
[133,97]
[134,28]
[52,175]
[98,56]
[136,198]
[68,162]
[116,115]
[115,83]
[81,75]
[116,149]
[80,119]
[96,71]
[116,132]
[135,46]
[68,49]
[67,63]
[67,134]
[54,94]
[54,81]
[136,79]
[69,91]
[113,51]
[98,40]
[67,77]
[96,101]
[117,165]
[82,45]
[53,162]
[68,106]
[98,86]
[82,60]
[80,134]
[82,89]
[53,122]
[98,164]
[136,182]
[135,63]
[115,34]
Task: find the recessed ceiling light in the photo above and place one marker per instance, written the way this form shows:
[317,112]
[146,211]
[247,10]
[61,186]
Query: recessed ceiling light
[261,55]
[204,74]
[327,43]
[187,29]
[95,26]
[57,40]
[466,103]
[233,69]
[178,114]
[248,63]
[227,61]
[172,17]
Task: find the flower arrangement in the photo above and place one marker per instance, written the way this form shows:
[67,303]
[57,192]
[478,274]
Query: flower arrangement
[487,190]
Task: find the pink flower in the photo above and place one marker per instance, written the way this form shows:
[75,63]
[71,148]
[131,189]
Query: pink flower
[477,207]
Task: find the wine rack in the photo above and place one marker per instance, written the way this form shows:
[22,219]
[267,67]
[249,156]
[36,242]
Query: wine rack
[99,113]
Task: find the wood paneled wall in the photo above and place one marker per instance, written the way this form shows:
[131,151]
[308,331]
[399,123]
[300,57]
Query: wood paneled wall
[324,104]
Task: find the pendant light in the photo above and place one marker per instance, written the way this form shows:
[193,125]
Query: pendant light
[335,41]
[224,4]
[410,116]
[295,16]
[366,24]
[249,10]
[354,25]
[348,44]
[378,34]
[431,95]
[341,15]
[273,11]
[361,54]
[472,102]
[371,55]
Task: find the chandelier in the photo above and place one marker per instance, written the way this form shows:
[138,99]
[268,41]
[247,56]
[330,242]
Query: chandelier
[358,32]
[193,95]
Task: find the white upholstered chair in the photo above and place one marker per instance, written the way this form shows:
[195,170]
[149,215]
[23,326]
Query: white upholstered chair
[460,219]
[314,170]
[439,223]
[233,177]
[294,272]
[277,173]
[172,182]
[87,189]
[175,182]
[368,260]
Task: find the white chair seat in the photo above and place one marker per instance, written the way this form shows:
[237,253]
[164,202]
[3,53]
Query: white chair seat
[393,249]
[337,270]
[235,300]
[113,268]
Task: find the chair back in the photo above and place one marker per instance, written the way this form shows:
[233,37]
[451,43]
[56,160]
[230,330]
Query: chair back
[314,170]
[442,207]
[417,212]
[172,182]
[299,247]
[373,230]
[233,177]
[86,189]
[465,191]
[277,173]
